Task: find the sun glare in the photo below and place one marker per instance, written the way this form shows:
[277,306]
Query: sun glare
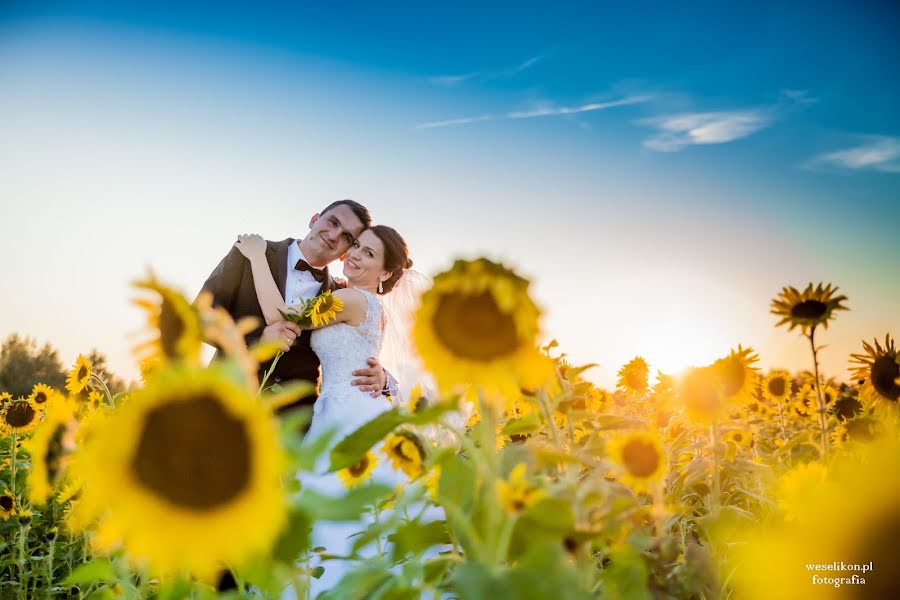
[679,345]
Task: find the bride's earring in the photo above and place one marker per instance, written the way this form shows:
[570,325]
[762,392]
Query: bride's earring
[380,288]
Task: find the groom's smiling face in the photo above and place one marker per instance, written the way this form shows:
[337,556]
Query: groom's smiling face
[332,233]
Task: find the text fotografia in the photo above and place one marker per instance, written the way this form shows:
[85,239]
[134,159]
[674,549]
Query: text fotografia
[840,566]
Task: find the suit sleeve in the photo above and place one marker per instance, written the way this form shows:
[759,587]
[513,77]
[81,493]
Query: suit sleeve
[225,279]
[223,284]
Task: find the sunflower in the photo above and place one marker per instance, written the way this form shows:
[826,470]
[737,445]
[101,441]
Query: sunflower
[516,493]
[417,400]
[640,457]
[850,515]
[4,398]
[846,407]
[878,371]
[477,326]
[187,475]
[80,375]
[325,309]
[633,377]
[41,394]
[94,401]
[807,309]
[806,403]
[7,505]
[19,416]
[178,323]
[757,409]
[700,392]
[50,447]
[776,387]
[740,437]
[359,471]
[737,375]
[406,453]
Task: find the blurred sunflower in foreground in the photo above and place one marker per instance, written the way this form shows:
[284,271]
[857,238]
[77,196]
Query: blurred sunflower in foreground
[825,522]
[878,371]
[478,326]
[186,475]
[178,323]
[50,448]
[807,309]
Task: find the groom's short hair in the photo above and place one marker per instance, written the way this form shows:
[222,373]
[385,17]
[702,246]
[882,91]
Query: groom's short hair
[361,212]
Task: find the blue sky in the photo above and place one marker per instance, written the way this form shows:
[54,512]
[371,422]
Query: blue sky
[668,166]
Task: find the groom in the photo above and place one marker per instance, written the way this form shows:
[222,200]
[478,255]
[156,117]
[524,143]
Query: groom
[300,269]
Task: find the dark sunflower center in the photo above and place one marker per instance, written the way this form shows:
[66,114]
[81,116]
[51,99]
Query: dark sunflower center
[324,306]
[54,453]
[700,395]
[171,328]
[82,372]
[193,453]
[7,503]
[733,377]
[846,407]
[809,309]
[878,544]
[862,430]
[474,327]
[40,397]
[359,467]
[777,386]
[640,458]
[738,438]
[885,371]
[19,414]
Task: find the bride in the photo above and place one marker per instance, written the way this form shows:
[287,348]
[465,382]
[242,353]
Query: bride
[373,266]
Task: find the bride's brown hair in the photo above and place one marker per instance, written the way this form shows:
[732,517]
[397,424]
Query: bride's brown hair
[396,254]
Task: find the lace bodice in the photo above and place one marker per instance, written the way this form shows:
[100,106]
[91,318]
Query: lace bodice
[343,348]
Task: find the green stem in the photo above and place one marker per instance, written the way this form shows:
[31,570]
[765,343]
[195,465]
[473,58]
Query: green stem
[505,537]
[716,483]
[823,428]
[262,385]
[109,398]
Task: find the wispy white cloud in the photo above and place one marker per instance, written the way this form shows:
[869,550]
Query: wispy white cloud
[799,96]
[451,122]
[544,111]
[549,111]
[451,80]
[875,153]
[676,132]
[455,80]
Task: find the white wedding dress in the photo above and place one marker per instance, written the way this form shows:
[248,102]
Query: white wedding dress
[343,408]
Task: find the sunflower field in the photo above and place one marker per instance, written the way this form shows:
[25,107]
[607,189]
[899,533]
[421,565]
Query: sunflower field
[720,482]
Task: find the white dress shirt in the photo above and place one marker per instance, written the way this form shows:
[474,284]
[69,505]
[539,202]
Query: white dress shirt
[299,285]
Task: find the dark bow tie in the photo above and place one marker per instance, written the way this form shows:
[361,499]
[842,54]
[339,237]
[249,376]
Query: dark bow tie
[318,274]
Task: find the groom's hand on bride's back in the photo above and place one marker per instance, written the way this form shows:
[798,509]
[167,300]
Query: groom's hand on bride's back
[283,332]
[371,379]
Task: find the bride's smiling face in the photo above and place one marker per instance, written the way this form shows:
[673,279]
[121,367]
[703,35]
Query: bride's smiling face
[364,261]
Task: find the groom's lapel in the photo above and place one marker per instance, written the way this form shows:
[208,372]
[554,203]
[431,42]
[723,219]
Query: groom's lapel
[277,253]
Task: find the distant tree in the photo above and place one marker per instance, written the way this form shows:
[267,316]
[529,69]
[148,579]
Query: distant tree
[23,364]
